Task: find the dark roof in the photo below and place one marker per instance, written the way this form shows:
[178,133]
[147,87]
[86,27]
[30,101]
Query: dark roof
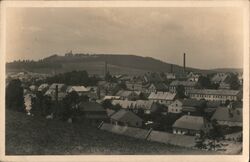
[190,122]
[91,106]
[213,104]
[125,116]
[160,86]
[228,114]
[193,103]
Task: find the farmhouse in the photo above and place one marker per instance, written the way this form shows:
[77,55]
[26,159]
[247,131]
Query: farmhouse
[126,118]
[165,98]
[228,116]
[191,125]
[215,95]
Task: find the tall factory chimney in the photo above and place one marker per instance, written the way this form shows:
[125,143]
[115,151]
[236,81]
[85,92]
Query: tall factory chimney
[184,62]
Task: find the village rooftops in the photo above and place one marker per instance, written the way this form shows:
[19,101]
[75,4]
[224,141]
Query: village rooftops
[124,93]
[228,114]
[144,104]
[60,86]
[214,92]
[162,96]
[77,89]
[190,122]
[125,116]
[184,83]
[193,103]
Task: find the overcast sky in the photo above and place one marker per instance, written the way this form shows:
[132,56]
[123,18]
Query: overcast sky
[211,37]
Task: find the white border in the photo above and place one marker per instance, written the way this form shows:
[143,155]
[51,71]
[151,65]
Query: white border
[204,158]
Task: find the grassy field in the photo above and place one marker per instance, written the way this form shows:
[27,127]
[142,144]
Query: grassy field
[26,135]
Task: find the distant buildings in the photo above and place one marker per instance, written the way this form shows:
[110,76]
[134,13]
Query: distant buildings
[164,98]
[188,85]
[215,95]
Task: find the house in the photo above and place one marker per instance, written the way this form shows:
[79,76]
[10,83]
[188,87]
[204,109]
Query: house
[192,77]
[220,77]
[191,125]
[224,85]
[154,87]
[43,87]
[80,90]
[107,88]
[228,116]
[93,112]
[215,95]
[187,106]
[188,85]
[152,77]
[126,118]
[33,88]
[52,91]
[165,98]
[136,86]
[128,95]
[170,76]
[111,98]
[175,107]
[134,106]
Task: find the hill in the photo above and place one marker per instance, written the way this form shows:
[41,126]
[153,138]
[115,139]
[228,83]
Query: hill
[95,63]
[29,135]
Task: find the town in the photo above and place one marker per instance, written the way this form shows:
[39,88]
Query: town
[184,108]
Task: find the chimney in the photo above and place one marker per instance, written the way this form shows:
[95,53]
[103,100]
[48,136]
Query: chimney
[56,94]
[184,62]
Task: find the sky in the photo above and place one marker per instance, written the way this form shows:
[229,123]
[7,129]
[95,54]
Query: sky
[210,37]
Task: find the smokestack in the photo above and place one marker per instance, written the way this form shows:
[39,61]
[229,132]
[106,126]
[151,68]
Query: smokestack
[184,62]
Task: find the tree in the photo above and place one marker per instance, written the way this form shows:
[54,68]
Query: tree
[215,135]
[15,96]
[200,141]
[106,104]
[70,105]
[234,82]
[204,82]
[180,92]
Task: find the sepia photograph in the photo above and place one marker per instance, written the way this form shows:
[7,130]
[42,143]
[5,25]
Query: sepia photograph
[125,79]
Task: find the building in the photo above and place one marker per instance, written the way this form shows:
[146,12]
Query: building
[175,107]
[80,90]
[56,91]
[134,106]
[193,77]
[128,95]
[126,118]
[215,95]
[165,98]
[191,125]
[43,87]
[220,77]
[228,116]
[154,87]
[188,85]
[93,112]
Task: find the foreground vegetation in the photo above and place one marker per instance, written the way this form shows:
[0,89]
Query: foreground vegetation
[30,135]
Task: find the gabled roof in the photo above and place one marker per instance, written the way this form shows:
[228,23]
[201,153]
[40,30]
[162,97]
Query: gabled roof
[214,91]
[190,122]
[144,104]
[53,86]
[124,93]
[91,107]
[228,114]
[184,83]
[77,89]
[42,86]
[161,96]
[125,116]
[219,77]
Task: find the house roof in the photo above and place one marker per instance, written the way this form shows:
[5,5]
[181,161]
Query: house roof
[184,83]
[124,93]
[125,116]
[214,92]
[77,89]
[193,103]
[91,107]
[60,86]
[161,96]
[42,86]
[110,112]
[189,122]
[228,114]
[219,77]
[159,86]
[144,104]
